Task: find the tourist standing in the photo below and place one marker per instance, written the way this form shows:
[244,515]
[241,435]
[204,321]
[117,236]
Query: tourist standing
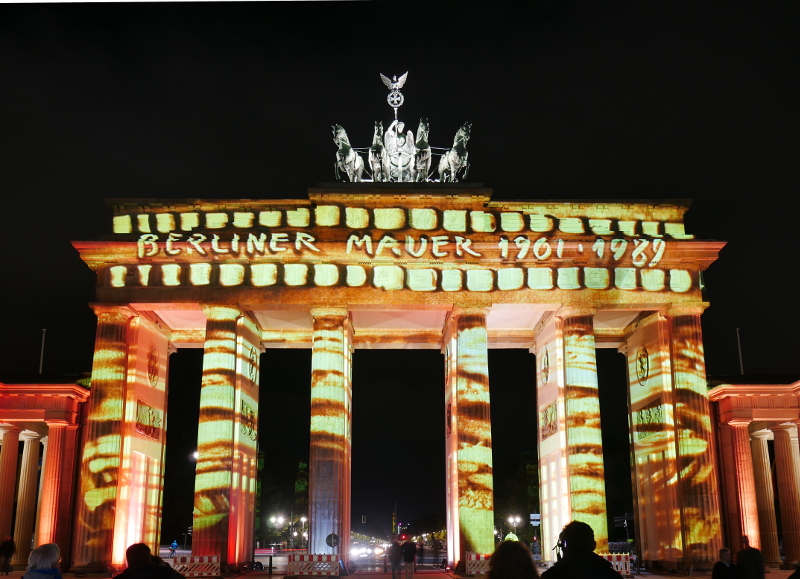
[7,550]
[579,560]
[43,562]
[512,560]
[724,568]
[409,553]
[395,556]
[749,561]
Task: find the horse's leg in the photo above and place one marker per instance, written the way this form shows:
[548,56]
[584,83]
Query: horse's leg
[336,169]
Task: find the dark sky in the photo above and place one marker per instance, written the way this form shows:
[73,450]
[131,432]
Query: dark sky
[569,100]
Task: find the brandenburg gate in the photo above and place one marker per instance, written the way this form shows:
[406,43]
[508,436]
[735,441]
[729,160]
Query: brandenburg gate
[401,265]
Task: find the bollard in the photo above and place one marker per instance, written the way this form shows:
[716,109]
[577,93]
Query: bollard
[270,564]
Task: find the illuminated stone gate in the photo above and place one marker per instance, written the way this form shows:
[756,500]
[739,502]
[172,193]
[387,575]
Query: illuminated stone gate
[426,266]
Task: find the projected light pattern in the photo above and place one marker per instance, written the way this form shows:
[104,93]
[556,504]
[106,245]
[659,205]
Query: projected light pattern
[102,440]
[397,277]
[469,440]
[584,439]
[331,423]
[654,446]
[415,249]
[225,472]
[698,483]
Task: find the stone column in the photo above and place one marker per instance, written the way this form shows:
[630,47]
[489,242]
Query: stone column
[745,481]
[331,420]
[470,482]
[102,437]
[768,526]
[51,483]
[788,492]
[26,497]
[9,456]
[214,471]
[697,486]
[584,439]
[36,542]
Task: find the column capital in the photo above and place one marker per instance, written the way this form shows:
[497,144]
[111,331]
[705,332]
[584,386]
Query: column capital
[4,428]
[686,310]
[574,312]
[113,310]
[469,311]
[29,435]
[739,422]
[761,434]
[329,311]
[789,428]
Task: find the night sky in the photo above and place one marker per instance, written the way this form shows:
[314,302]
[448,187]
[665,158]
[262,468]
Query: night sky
[569,100]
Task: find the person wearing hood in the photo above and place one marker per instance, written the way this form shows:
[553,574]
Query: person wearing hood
[579,560]
[141,565]
[43,562]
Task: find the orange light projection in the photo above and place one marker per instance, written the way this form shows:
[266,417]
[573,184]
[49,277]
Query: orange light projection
[414,249]
[587,489]
[470,487]
[225,477]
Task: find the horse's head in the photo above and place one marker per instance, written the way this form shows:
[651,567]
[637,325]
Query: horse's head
[422,131]
[378,129]
[465,130]
[339,135]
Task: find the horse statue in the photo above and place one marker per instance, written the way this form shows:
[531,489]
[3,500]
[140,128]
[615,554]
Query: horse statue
[346,157]
[423,156]
[378,159]
[455,159]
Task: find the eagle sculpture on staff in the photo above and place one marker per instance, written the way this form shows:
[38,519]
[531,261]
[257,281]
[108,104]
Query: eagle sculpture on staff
[395,98]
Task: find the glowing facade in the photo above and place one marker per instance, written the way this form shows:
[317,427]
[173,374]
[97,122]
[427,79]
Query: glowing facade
[439,267]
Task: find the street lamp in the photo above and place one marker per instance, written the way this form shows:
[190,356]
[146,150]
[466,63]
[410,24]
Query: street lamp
[514,521]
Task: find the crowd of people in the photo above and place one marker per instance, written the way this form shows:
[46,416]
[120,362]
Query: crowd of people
[510,560]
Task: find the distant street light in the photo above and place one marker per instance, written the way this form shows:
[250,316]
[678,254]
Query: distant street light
[514,521]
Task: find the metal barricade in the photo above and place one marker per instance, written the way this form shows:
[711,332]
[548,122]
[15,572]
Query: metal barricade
[197,566]
[621,563]
[314,565]
[477,564]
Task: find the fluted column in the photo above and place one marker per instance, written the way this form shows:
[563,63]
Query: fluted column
[100,462]
[584,438]
[26,497]
[470,480]
[788,491]
[9,456]
[212,487]
[36,542]
[51,483]
[765,497]
[331,420]
[698,492]
[745,481]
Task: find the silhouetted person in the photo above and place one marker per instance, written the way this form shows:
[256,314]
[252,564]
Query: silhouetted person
[749,562]
[796,574]
[43,562]
[7,550]
[512,560]
[724,568]
[395,556]
[421,551]
[409,552]
[579,560]
[142,566]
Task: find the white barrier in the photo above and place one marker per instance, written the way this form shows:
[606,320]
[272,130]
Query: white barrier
[477,564]
[313,565]
[621,563]
[197,566]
